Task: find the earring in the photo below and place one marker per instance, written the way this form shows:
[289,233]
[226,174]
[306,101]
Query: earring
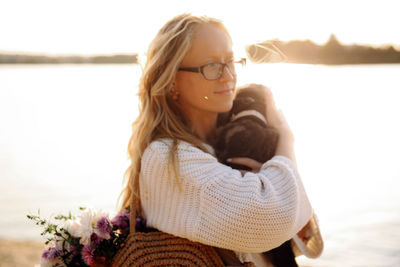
[174,94]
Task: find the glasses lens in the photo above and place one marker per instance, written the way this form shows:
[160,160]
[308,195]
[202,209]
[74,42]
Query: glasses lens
[212,71]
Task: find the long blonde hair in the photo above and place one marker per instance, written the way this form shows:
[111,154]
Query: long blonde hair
[159,114]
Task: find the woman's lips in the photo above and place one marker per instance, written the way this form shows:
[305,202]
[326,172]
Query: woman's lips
[224,92]
[227,89]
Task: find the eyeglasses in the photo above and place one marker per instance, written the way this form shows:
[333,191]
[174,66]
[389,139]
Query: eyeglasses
[213,71]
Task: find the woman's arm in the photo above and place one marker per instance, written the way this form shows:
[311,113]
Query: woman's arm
[219,207]
[285,145]
[276,119]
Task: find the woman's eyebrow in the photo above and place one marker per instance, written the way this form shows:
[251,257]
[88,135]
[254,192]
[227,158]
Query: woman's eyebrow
[219,58]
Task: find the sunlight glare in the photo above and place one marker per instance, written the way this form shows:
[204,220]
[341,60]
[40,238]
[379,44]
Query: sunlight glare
[93,27]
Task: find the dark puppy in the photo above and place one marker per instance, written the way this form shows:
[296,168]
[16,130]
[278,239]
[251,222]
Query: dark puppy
[244,132]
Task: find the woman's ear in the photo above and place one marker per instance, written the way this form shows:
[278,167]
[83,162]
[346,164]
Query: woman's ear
[174,92]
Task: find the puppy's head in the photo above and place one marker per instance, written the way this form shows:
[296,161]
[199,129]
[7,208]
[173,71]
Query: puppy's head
[249,97]
[244,132]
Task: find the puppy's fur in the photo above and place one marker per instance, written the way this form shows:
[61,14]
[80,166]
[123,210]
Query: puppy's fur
[246,136]
[243,133]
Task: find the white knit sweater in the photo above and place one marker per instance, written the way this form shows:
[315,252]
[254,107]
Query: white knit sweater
[217,205]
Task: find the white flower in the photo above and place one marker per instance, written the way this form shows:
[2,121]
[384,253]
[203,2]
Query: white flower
[60,243]
[72,227]
[51,263]
[46,263]
[97,215]
[88,221]
[86,227]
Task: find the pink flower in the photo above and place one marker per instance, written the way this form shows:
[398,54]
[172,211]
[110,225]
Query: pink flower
[88,255]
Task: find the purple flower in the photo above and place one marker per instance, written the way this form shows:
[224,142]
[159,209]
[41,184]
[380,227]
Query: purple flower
[121,220]
[88,255]
[104,226]
[51,254]
[140,224]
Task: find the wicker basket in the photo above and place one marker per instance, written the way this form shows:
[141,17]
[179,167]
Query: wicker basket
[157,248]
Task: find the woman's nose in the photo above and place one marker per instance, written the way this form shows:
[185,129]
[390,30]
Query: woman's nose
[227,74]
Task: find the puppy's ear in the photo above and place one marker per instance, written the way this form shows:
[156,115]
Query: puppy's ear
[242,103]
[248,100]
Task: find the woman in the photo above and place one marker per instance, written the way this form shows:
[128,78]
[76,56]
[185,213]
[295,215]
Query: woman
[189,78]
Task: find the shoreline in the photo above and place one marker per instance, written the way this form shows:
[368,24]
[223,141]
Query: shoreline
[20,253]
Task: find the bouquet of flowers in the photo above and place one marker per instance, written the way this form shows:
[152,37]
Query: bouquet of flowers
[90,239]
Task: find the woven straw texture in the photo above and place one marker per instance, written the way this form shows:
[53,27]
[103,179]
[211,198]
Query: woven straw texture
[162,249]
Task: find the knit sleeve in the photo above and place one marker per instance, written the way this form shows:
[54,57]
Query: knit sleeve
[216,205]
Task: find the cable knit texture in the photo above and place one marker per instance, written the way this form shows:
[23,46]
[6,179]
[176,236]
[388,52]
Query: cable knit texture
[217,205]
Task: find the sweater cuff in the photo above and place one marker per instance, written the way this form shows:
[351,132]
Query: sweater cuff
[281,161]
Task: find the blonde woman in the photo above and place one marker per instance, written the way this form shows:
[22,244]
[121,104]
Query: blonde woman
[189,77]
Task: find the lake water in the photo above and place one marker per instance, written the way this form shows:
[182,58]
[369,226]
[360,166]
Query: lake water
[64,132]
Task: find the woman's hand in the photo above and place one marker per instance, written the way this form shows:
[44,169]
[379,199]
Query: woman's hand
[304,234]
[276,119]
[254,165]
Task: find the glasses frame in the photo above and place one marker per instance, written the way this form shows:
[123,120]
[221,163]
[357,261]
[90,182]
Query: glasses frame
[200,69]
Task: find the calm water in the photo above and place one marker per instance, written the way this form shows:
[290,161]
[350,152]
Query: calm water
[64,131]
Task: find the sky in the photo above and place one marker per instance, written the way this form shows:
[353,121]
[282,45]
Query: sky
[122,26]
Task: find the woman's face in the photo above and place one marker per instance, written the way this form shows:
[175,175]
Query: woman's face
[210,44]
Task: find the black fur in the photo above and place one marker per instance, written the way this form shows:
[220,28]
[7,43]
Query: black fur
[250,137]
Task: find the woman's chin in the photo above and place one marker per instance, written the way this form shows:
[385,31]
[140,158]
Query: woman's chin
[224,106]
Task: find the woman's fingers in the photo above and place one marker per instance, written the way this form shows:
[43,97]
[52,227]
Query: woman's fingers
[304,233]
[243,172]
[254,165]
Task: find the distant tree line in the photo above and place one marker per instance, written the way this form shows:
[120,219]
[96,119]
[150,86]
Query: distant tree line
[332,53]
[7,58]
[307,52]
